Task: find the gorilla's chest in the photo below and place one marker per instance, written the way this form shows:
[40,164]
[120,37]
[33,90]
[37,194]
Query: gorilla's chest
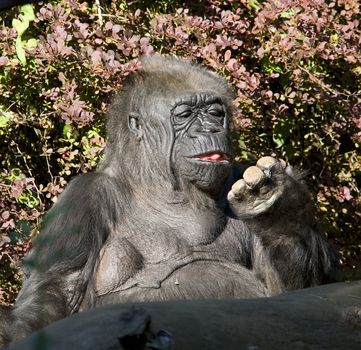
[178,231]
[161,265]
[158,260]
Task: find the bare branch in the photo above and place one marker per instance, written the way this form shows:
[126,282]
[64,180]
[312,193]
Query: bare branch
[100,15]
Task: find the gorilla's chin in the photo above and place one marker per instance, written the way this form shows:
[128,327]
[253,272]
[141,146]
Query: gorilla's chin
[206,174]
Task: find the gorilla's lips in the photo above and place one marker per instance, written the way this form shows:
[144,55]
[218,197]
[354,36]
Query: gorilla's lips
[215,156]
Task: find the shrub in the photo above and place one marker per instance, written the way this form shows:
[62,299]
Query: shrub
[294,65]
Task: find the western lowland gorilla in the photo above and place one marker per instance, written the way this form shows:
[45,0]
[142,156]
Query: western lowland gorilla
[168,215]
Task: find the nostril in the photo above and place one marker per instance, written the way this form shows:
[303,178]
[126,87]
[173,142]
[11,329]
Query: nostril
[210,128]
[203,126]
[193,132]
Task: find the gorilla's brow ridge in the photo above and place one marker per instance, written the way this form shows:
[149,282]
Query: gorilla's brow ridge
[197,99]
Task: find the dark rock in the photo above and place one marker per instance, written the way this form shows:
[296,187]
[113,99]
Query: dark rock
[313,318]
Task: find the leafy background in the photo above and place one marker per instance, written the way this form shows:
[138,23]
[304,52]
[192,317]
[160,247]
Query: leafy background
[294,65]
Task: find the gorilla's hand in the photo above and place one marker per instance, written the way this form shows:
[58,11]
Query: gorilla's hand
[261,187]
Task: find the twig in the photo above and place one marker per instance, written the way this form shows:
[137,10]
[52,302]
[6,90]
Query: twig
[324,86]
[29,171]
[100,15]
[24,159]
[105,15]
[47,157]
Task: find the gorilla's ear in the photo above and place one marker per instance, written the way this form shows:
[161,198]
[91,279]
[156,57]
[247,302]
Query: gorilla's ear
[135,125]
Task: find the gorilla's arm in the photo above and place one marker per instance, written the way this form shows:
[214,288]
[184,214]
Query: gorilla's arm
[61,261]
[288,250]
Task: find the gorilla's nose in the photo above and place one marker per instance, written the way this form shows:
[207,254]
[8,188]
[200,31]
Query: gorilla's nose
[205,125]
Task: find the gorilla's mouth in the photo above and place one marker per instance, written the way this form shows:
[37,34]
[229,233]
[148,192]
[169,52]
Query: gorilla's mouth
[213,157]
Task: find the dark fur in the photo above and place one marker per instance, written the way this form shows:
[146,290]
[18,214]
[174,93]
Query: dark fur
[148,225]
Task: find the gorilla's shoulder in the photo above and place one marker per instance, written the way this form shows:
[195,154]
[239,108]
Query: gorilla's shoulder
[94,187]
[92,181]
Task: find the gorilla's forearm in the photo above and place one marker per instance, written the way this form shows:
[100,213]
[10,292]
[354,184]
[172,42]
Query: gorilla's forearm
[288,255]
[289,249]
[60,264]
[40,302]
[6,320]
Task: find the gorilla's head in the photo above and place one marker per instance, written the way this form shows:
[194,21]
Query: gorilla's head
[170,122]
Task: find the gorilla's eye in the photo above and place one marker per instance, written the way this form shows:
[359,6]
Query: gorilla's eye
[216,110]
[182,111]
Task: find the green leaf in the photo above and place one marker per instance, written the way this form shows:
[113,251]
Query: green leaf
[28,199]
[31,43]
[3,121]
[334,38]
[278,140]
[253,4]
[20,26]
[20,52]
[4,118]
[269,66]
[288,14]
[67,131]
[281,131]
[28,12]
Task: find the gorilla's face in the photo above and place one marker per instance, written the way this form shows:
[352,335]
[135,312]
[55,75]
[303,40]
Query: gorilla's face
[188,136]
[202,153]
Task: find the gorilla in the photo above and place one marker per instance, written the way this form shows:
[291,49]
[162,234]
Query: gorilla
[168,215]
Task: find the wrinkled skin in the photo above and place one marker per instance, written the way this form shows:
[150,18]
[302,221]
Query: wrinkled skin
[202,144]
[262,186]
[168,215]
